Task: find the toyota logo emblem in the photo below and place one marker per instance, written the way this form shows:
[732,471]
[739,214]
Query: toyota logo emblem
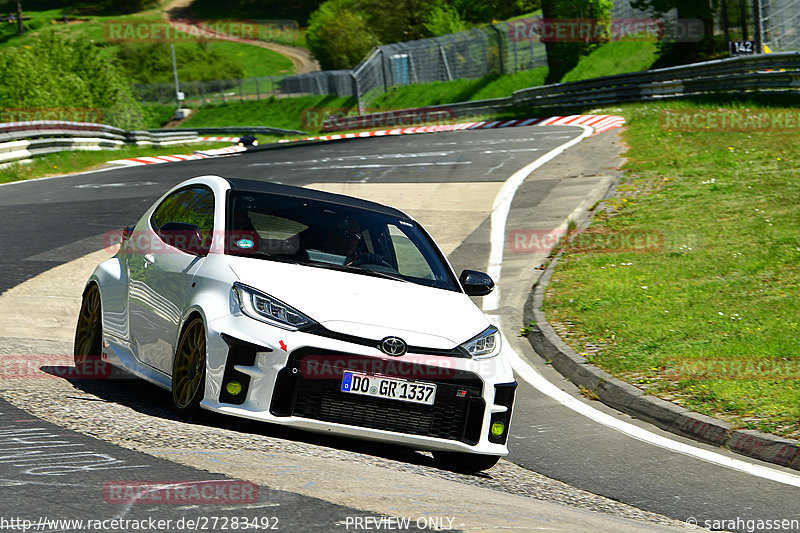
[393,346]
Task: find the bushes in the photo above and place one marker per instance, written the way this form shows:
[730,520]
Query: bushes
[338,35]
[55,71]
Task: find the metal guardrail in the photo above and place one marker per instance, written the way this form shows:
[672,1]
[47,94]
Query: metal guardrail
[763,73]
[23,140]
[238,130]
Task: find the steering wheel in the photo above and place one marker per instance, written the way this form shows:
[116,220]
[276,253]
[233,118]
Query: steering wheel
[369,259]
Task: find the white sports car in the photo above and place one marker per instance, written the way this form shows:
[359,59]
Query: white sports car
[304,308]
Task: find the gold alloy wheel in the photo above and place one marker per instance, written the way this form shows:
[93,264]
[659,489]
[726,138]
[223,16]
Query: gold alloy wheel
[89,332]
[189,368]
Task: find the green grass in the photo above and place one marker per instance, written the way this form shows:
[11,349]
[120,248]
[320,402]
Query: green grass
[444,92]
[83,161]
[284,113]
[723,290]
[616,57]
[257,61]
[155,116]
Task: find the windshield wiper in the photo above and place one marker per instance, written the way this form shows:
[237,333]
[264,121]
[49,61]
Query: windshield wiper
[268,257]
[376,273]
[357,270]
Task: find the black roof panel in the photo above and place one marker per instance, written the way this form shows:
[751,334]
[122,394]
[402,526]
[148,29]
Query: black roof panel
[240,184]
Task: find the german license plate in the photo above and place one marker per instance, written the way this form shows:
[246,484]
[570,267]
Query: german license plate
[390,388]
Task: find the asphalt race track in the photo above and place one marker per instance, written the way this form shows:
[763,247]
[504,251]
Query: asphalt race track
[448,182]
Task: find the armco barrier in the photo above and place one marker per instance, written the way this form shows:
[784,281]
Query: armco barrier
[757,74]
[22,140]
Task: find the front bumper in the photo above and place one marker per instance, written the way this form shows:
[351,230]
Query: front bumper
[293,378]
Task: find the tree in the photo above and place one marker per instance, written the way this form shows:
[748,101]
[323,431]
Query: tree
[20,26]
[674,53]
[479,11]
[443,20]
[564,53]
[338,35]
[394,21]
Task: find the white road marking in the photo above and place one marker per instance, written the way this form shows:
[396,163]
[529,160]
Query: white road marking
[115,185]
[397,165]
[501,206]
[534,378]
[524,370]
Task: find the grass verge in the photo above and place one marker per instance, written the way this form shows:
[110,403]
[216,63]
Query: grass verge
[709,317]
[287,113]
[617,57]
[463,90]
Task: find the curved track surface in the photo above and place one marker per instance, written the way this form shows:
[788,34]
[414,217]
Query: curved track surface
[448,182]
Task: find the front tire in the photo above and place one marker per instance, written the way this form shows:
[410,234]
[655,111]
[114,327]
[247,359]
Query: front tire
[89,333]
[189,369]
[465,462]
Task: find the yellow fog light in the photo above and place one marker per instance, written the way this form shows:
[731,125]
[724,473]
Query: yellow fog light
[498,428]
[234,388]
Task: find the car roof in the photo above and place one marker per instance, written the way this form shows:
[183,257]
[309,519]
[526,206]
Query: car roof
[240,184]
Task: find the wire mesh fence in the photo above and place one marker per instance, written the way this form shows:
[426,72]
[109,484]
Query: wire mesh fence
[497,48]
[469,54]
[780,24]
[502,48]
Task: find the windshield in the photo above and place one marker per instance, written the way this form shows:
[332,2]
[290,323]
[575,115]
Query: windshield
[329,235]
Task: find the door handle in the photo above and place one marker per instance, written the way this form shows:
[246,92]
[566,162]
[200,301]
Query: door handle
[149,260]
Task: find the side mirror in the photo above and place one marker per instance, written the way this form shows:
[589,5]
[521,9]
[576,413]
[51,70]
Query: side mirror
[185,237]
[476,283]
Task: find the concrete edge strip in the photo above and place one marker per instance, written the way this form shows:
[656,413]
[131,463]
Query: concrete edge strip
[631,400]
[599,123]
[205,154]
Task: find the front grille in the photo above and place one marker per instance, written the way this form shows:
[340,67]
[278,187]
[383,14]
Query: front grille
[457,413]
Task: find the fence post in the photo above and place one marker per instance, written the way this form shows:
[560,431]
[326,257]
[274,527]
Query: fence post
[516,59]
[258,92]
[499,47]
[446,65]
[757,23]
[203,92]
[357,93]
[241,96]
[383,70]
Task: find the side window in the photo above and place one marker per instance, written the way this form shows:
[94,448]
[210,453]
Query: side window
[190,206]
[410,261]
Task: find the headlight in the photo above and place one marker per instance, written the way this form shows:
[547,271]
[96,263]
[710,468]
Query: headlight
[485,345]
[264,307]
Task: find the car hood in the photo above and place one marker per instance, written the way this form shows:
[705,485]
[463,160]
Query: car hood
[366,306]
